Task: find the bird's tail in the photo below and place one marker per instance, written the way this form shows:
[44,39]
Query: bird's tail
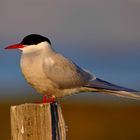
[99,85]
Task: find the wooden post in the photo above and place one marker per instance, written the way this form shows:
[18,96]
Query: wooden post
[37,122]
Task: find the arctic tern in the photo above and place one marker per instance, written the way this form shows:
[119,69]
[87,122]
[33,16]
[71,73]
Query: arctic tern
[54,75]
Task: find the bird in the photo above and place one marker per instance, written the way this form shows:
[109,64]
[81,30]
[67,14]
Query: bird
[55,76]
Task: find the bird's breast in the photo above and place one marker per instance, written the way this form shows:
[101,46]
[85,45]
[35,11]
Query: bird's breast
[33,72]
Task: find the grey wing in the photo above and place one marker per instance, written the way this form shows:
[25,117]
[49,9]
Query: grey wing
[64,72]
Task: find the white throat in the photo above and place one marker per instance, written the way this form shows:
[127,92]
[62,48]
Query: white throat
[35,48]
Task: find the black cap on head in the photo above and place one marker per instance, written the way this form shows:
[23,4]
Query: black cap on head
[34,39]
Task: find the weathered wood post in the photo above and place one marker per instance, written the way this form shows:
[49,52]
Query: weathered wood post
[32,121]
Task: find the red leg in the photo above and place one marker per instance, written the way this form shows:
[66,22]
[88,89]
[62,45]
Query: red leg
[49,99]
[44,99]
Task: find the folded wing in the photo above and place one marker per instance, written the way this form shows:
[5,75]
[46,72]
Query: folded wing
[64,72]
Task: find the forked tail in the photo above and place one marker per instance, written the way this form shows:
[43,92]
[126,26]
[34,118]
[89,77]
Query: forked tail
[99,85]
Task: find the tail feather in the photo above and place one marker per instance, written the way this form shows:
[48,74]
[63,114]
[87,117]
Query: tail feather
[99,85]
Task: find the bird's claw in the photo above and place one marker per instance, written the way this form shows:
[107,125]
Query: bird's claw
[48,99]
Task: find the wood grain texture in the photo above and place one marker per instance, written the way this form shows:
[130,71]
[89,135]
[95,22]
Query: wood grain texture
[37,122]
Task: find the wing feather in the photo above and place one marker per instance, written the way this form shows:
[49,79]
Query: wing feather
[64,72]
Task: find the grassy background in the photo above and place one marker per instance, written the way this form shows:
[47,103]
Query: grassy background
[91,120]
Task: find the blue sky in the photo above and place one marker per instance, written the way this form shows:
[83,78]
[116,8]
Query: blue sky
[100,35]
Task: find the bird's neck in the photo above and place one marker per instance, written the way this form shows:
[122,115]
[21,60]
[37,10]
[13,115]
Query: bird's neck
[36,57]
[40,49]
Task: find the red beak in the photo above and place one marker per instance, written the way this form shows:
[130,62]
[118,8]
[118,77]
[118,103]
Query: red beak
[15,46]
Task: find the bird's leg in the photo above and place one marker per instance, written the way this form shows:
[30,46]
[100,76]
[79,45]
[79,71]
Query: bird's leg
[48,99]
[51,99]
[44,99]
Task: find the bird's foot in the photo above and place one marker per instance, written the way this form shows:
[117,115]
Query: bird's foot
[48,99]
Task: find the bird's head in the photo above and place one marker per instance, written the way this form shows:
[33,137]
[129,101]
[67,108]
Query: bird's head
[31,43]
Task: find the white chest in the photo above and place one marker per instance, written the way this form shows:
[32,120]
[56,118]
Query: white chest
[33,73]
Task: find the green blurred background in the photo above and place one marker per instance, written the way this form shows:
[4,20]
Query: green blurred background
[102,36]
